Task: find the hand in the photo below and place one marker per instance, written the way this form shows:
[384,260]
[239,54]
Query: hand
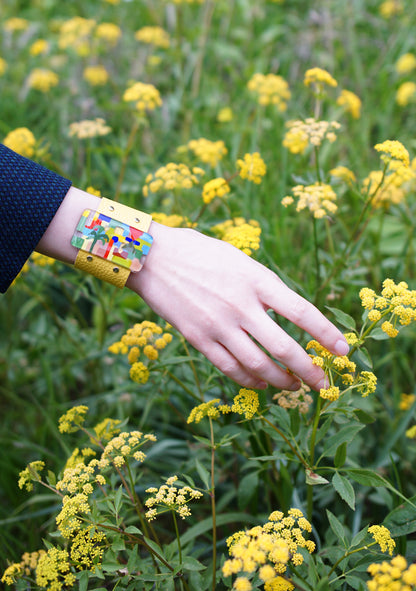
[218,298]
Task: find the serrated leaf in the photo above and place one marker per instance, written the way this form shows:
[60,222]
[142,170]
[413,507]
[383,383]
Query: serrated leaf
[192,564]
[378,335]
[340,455]
[359,537]
[364,357]
[346,434]
[342,318]
[132,529]
[402,520]
[364,417]
[344,488]
[336,527]
[367,477]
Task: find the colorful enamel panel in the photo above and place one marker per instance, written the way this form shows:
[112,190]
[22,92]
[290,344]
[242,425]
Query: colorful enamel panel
[112,240]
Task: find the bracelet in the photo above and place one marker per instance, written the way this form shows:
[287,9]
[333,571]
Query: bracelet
[113,241]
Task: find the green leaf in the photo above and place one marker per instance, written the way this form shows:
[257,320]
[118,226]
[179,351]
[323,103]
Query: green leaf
[247,488]
[364,417]
[340,455]
[336,527]
[402,520]
[367,477]
[132,529]
[203,474]
[118,499]
[378,335]
[323,585]
[83,578]
[345,435]
[342,318]
[359,537]
[363,357]
[192,564]
[344,488]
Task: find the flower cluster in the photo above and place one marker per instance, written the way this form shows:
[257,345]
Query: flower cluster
[108,32]
[246,403]
[340,366]
[153,36]
[42,79]
[25,567]
[344,174]
[31,474]
[311,131]
[271,90]
[240,233]
[39,47]
[172,176]
[74,34]
[393,150]
[252,167]
[96,75]
[383,538]
[22,141]
[406,93]
[396,305]
[144,338]
[208,151]
[318,78]
[173,220]
[53,570]
[89,128]
[267,550]
[170,498]
[395,574]
[391,8]
[73,419]
[299,399]
[350,102]
[15,24]
[212,409]
[318,198]
[146,96]
[217,187]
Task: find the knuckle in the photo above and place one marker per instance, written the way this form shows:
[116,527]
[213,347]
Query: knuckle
[257,364]
[298,310]
[282,349]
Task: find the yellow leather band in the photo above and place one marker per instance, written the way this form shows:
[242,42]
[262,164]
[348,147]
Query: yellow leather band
[102,268]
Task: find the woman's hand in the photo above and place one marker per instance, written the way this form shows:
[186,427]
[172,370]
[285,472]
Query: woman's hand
[218,298]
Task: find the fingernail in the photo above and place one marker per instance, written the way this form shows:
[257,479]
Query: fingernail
[261,385]
[341,347]
[294,385]
[324,383]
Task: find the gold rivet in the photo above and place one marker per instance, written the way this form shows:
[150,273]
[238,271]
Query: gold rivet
[137,220]
[111,208]
[89,258]
[116,269]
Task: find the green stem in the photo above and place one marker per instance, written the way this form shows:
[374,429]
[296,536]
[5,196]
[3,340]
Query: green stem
[213,508]
[178,538]
[312,455]
[349,554]
[126,154]
[295,451]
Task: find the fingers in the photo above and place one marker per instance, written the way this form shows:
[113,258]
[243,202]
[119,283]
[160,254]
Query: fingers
[231,367]
[289,304]
[286,350]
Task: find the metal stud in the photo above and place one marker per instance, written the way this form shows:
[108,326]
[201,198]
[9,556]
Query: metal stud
[89,258]
[111,207]
[116,269]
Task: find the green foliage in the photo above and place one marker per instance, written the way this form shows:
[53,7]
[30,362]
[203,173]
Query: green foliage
[344,457]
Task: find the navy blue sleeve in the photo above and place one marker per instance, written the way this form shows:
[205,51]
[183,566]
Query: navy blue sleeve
[30,195]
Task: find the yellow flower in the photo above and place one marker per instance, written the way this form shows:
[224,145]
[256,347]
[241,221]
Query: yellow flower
[96,75]
[173,220]
[170,498]
[212,409]
[172,176]
[39,47]
[139,373]
[215,188]
[351,103]
[146,96]
[411,433]
[383,190]
[42,79]
[53,570]
[393,150]
[15,24]
[41,260]
[343,173]
[89,128]
[318,198]
[74,33]
[208,151]
[154,36]
[246,403]
[383,538]
[242,584]
[12,572]
[406,63]
[252,167]
[391,8]
[332,393]
[31,474]
[318,77]
[73,419]
[22,141]
[310,131]
[108,32]
[225,115]
[271,90]
[406,401]
[393,575]
[406,93]
[241,234]
[93,191]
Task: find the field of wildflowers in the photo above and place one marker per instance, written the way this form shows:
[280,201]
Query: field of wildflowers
[286,128]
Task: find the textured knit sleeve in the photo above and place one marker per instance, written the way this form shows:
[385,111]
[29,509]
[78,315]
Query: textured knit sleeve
[30,195]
